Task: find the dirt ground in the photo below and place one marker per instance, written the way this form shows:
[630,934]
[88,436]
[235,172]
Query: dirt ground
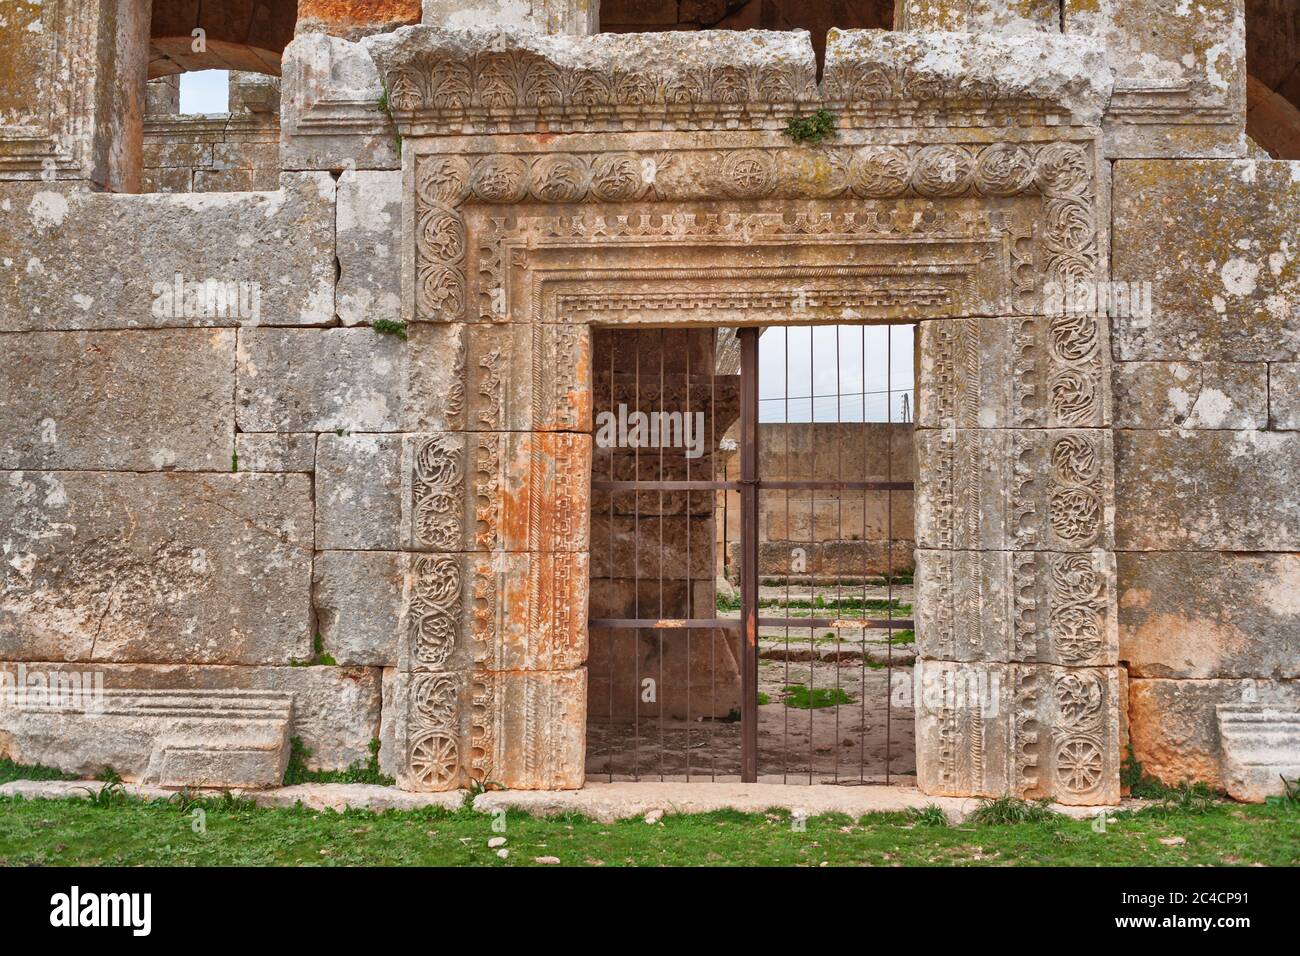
[863,740]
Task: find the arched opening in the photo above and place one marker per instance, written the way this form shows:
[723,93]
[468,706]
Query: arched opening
[1273,85]
[219,35]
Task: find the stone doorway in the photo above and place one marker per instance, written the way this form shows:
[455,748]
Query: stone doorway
[730,474]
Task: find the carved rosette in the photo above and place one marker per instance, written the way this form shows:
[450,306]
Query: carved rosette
[438,493]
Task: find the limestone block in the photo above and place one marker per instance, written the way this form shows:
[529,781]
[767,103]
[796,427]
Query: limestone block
[1231,395]
[155,567]
[193,738]
[1207,490]
[507,377]
[330,108]
[1017,606]
[390,751]
[499,612]
[353,19]
[1184,614]
[1023,489]
[1180,74]
[1175,726]
[979,16]
[1225,272]
[573,17]
[523,730]
[496,491]
[1284,396]
[368,245]
[72,95]
[336,710]
[696,673]
[1261,750]
[253,93]
[95,400]
[320,380]
[358,492]
[1013,373]
[72,259]
[357,596]
[275,452]
[1029,730]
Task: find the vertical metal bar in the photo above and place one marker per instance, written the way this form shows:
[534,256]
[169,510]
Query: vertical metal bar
[786,473]
[611,649]
[889,542]
[839,535]
[749,553]
[659,681]
[636,579]
[690,587]
[866,501]
[713,631]
[812,542]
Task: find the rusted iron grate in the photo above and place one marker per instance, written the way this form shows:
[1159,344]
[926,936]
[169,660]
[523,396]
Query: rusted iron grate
[678,484]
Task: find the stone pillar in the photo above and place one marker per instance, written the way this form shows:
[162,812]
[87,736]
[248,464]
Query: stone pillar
[1018,688]
[74,106]
[495,506]
[571,17]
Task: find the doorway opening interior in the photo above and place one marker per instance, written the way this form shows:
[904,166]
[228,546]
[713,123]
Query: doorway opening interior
[751,612]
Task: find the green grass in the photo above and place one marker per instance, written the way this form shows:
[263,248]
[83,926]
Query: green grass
[800,697]
[16,771]
[123,832]
[360,772]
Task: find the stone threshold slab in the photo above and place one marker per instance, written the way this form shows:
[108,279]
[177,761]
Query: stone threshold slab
[604,802]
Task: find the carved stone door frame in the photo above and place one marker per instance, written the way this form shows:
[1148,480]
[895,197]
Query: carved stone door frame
[949,199]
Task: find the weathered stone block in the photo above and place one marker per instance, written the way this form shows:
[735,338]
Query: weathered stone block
[194,738]
[72,99]
[627,547]
[979,16]
[276,452]
[573,17]
[1175,726]
[95,400]
[1261,750]
[1207,490]
[500,612]
[330,115]
[1017,606]
[155,568]
[1284,396]
[347,18]
[1153,395]
[368,246]
[1203,615]
[507,377]
[523,730]
[358,492]
[1029,730]
[357,596]
[1046,372]
[336,710]
[319,380]
[496,491]
[1225,272]
[1024,489]
[72,259]
[1180,84]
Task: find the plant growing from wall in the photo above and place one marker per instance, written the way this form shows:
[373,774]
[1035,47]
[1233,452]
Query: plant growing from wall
[813,129]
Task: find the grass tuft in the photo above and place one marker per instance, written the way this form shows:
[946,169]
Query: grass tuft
[1009,810]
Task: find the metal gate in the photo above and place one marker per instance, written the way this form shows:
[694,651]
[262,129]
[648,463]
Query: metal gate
[689,679]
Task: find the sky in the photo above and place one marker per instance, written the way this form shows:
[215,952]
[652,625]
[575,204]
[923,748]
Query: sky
[205,91]
[793,358]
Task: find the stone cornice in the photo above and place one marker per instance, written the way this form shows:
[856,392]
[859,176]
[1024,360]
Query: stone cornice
[448,82]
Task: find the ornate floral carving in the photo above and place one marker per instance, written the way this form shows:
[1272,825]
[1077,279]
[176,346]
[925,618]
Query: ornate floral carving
[616,177]
[942,171]
[437,493]
[748,174]
[880,172]
[1004,169]
[433,609]
[559,178]
[500,179]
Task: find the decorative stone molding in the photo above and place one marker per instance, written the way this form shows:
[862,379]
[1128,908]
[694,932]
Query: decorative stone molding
[464,82]
[964,182]
[172,738]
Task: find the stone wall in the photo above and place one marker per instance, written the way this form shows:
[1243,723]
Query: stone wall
[838,535]
[220,478]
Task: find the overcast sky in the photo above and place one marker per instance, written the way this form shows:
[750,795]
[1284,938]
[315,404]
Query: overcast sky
[205,91]
[800,362]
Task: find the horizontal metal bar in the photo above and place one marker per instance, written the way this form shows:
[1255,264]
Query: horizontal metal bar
[765,485]
[692,485]
[662,624]
[897,624]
